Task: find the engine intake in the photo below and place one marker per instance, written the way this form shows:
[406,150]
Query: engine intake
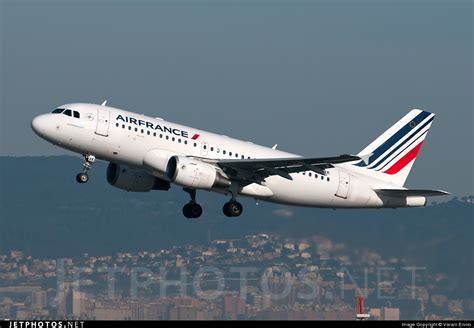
[131,179]
[191,173]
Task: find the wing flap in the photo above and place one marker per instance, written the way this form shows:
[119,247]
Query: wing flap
[258,169]
[285,162]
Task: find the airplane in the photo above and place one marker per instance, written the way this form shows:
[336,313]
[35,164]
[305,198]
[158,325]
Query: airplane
[146,153]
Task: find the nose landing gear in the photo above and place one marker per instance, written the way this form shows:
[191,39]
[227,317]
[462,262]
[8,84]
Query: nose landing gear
[83,177]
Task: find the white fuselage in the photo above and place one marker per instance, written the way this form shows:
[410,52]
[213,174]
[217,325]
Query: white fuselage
[125,138]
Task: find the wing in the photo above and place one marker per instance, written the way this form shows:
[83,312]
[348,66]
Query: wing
[255,170]
[411,192]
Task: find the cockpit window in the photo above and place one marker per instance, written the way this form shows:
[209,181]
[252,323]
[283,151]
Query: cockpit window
[67,112]
[58,111]
[76,114]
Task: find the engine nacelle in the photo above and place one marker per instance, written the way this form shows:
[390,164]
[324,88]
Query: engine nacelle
[156,161]
[131,179]
[191,173]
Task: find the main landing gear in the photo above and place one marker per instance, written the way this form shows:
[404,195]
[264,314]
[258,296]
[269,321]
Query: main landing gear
[192,210]
[232,208]
[88,161]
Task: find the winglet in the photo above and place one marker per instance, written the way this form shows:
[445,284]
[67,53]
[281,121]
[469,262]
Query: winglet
[104,103]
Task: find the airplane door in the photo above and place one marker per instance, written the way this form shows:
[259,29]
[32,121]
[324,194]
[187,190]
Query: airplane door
[103,120]
[204,148]
[344,184]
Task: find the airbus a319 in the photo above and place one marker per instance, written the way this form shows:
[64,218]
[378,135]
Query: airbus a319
[146,153]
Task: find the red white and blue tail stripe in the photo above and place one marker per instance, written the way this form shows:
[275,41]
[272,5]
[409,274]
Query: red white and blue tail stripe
[391,156]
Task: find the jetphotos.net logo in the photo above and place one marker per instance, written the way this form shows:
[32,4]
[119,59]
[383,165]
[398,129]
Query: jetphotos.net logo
[155,126]
[45,324]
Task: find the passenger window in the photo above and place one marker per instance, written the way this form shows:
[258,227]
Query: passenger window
[236,155]
[212,148]
[310,174]
[243,156]
[117,125]
[316,176]
[148,132]
[304,173]
[328,178]
[67,112]
[322,177]
[173,139]
[179,140]
[185,142]
[167,137]
[205,147]
[161,136]
[58,111]
[142,131]
[123,126]
[154,134]
[223,152]
[230,153]
[76,114]
[195,144]
[136,129]
[129,128]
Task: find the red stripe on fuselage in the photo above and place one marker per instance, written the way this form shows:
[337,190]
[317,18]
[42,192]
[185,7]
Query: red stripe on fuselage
[402,162]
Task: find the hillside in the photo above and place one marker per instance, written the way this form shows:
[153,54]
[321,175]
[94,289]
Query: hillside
[47,214]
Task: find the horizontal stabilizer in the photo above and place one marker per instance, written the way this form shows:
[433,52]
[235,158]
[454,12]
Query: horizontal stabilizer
[411,192]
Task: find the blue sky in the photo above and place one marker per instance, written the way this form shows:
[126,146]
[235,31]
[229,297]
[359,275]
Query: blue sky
[317,77]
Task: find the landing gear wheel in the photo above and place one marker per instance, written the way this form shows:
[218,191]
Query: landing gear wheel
[82,178]
[232,209]
[88,161]
[192,210]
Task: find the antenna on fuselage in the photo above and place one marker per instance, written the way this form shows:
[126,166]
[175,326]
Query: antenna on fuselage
[104,103]
[275,146]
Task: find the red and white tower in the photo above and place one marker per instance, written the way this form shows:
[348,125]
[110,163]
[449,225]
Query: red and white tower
[360,312]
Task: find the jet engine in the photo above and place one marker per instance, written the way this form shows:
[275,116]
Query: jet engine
[131,179]
[191,173]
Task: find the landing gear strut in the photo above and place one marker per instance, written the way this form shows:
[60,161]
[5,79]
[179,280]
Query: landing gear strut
[232,208]
[192,210]
[83,177]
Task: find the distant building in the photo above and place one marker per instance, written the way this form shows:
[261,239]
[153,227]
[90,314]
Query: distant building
[390,313]
[455,307]
[375,314]
[439,300]
[266,301]
[234,306]
[38,299]
[64,300]
[78,304]
[116,310]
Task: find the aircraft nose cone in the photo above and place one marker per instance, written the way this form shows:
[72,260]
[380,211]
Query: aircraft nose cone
[38,125]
